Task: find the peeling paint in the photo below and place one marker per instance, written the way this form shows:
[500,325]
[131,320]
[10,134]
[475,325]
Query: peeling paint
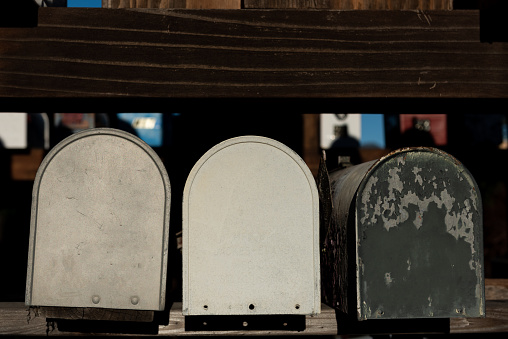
[458,223]
[418,177]
[366,197]
[366,310]
[434,203]
[388,279]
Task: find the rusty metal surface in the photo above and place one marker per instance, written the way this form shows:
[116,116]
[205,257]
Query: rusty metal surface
[417,235]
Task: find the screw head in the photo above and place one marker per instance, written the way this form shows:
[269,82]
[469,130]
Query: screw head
[135,300]
[96,299]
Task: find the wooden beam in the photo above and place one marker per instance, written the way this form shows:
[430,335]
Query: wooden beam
[143,3]
[76,52]
[189,4]
[89,313]
[352,4]
[294,4]
[17,319]
[310,137]
[214,4]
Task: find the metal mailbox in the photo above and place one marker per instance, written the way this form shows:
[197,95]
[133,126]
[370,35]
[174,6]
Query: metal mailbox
[403,238]
[99,224]
[250,232]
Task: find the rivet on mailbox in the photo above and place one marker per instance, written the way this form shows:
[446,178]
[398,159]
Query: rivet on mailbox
[403,238]
[99,228]
[250,235]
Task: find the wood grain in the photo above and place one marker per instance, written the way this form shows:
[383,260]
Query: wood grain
[88,313]
[77,52]
[16,320]
[284,4]
[310,137]
[287,4]
[143,3]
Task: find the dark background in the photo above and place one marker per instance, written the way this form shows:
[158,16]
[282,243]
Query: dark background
[473,139]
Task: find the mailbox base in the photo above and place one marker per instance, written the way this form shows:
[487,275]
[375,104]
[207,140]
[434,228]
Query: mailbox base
[90,313]
[102,320]
[349,324]
[283,322]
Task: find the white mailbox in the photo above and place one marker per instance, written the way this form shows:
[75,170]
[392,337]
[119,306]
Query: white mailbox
[250,232]
[99,224]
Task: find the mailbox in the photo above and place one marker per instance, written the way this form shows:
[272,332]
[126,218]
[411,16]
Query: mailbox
[99,225]
[250,232]
[403,238]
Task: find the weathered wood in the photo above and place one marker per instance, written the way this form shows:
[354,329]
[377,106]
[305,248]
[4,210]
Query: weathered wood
[25,166]
[78,52]
[213,4]
[352,4]
[281,4]
[496,289]
[310,137]
[89,313]
[189,4]
[284,4]
[16,319]
[143,3]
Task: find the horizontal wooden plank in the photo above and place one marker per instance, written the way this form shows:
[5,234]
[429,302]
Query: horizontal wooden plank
[352,4]
[16,320]
[90,313]
[251,54]
[297,4]
[143,3]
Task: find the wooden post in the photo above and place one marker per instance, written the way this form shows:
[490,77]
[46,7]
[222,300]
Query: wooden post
[310,137]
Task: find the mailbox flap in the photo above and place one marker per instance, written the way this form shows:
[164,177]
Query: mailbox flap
[419,235]
[99,224]
[250,232]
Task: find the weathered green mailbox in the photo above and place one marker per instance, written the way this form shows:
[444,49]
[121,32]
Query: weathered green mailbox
[402,238]
[99,228]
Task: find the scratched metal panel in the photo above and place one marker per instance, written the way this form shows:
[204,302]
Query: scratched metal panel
[250,232]
[99,224]
[419,236]
[337,254]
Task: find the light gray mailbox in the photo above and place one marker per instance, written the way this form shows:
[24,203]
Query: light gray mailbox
[404,238]
[99,224]
[250,232]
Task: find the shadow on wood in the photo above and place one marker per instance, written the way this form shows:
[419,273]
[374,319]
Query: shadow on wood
[348,324]
[245,322]
[101,326]
[111,321]
[103,321]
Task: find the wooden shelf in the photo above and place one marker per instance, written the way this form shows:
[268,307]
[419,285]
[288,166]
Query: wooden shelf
[14,319]
[252,54]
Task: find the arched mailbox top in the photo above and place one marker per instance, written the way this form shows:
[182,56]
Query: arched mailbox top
[429,175]
[419,235]
[99,224]
[257,140]
[250,231]
[103,131]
